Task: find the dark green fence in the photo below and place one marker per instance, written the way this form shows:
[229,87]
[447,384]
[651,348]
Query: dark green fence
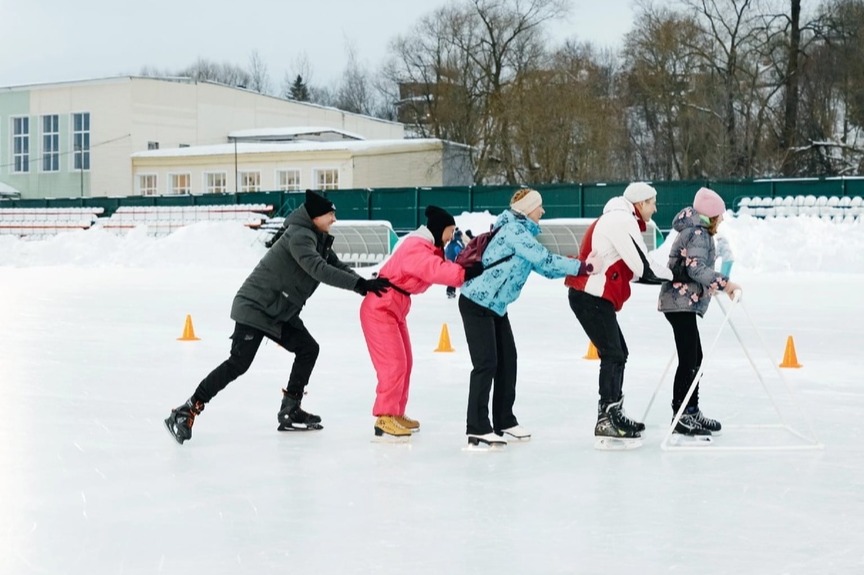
[404,207]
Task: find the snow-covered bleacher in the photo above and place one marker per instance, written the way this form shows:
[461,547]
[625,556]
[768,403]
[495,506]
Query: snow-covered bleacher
[356,242]
[840,209]
[40,222]
[162,220]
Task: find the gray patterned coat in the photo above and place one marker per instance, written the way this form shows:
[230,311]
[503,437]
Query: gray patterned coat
[288,274]
[691,259]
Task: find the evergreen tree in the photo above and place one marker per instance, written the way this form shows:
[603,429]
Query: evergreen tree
[299,90]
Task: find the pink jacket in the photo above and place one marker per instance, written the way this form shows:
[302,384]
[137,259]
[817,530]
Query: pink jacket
[415,266]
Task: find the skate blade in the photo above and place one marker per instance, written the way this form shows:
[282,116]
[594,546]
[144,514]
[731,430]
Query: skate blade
[681,439]
[485,447]
[300,427]
[517,439]
[392,439]
[617,443]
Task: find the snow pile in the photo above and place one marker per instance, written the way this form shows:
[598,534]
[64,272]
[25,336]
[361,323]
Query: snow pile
[804,244]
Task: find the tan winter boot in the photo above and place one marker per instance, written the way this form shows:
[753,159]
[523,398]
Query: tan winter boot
[411,425]
[387,424]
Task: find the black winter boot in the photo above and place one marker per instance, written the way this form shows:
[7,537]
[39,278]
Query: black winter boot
[293,418]
[179,423]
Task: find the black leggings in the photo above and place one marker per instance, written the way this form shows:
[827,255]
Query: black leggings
[244,345]
[689,349]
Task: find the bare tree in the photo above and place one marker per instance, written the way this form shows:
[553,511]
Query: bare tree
[462,62]
[259,76]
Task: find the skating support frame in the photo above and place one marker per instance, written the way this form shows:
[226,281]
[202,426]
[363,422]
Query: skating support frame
[809,439]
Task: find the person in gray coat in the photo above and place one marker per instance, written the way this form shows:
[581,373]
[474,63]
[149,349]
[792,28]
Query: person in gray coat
[691,259]
[268,304]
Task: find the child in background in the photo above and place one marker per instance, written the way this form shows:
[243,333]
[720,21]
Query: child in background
[453,248]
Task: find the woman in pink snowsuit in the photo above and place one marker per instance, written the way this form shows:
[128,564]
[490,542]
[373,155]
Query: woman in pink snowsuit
[417,264]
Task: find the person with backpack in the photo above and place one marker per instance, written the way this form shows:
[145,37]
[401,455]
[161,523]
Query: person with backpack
[451,251]
[510,254]
[691,259]
[268,304]
[616,237]
[416,264]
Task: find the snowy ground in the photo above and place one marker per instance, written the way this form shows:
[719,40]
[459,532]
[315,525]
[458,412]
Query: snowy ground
[92,483]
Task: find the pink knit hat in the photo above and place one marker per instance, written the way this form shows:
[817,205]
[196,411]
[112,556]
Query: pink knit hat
[708,203]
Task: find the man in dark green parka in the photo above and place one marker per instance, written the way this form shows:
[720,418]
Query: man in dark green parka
[268,304]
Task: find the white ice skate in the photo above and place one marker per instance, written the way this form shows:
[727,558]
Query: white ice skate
[516,433]
[485,442]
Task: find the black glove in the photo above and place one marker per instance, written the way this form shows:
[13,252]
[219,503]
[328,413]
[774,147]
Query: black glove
[377,286]
[475,270]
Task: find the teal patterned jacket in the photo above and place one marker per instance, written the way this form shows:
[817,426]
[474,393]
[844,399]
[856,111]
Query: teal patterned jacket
[499,286]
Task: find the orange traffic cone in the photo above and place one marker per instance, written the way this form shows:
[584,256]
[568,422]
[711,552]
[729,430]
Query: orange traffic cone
[188,331]
[592,352]
[790,359]
[444,340]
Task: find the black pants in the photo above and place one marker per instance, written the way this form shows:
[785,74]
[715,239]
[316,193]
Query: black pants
[244,345]
[493,357]
[600,322]
[689,348]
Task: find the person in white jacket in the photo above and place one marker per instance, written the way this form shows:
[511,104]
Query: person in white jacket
[616,237]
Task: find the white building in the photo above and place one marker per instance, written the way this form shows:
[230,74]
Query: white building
[138,135]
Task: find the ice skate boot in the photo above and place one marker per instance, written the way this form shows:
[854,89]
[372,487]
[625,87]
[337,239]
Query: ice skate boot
[516,433]
[609,434]
[411,425]
[689,425]
[711,425]
[688,430]
[388,430]
[179,423]
[621,420]
[485,442]
[293,418]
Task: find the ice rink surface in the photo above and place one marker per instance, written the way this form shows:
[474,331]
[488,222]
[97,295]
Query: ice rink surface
[91,482]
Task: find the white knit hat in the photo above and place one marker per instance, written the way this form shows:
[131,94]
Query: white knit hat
[527,203]
[639,192]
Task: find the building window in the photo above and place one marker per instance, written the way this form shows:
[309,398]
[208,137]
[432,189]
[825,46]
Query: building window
[181,183]
[148,185]
[21,144]
[152,145]
[327,179]
[288,180]
[51,143]
[214,182]
[81,140]
[250,181]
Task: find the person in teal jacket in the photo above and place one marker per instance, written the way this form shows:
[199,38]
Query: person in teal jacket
[511,255]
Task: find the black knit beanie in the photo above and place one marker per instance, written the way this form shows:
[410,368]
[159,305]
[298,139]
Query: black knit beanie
[436,220]
[317,205]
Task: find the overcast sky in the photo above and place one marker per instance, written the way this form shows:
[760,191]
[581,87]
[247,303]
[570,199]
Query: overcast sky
[55,40]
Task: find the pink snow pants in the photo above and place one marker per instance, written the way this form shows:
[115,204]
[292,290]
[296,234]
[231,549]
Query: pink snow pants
[386,331]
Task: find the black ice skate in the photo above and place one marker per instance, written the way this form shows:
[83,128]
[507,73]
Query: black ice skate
[619,417]
[711,425]
[293,418]
[689,426]
[179,423]
[614,430]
